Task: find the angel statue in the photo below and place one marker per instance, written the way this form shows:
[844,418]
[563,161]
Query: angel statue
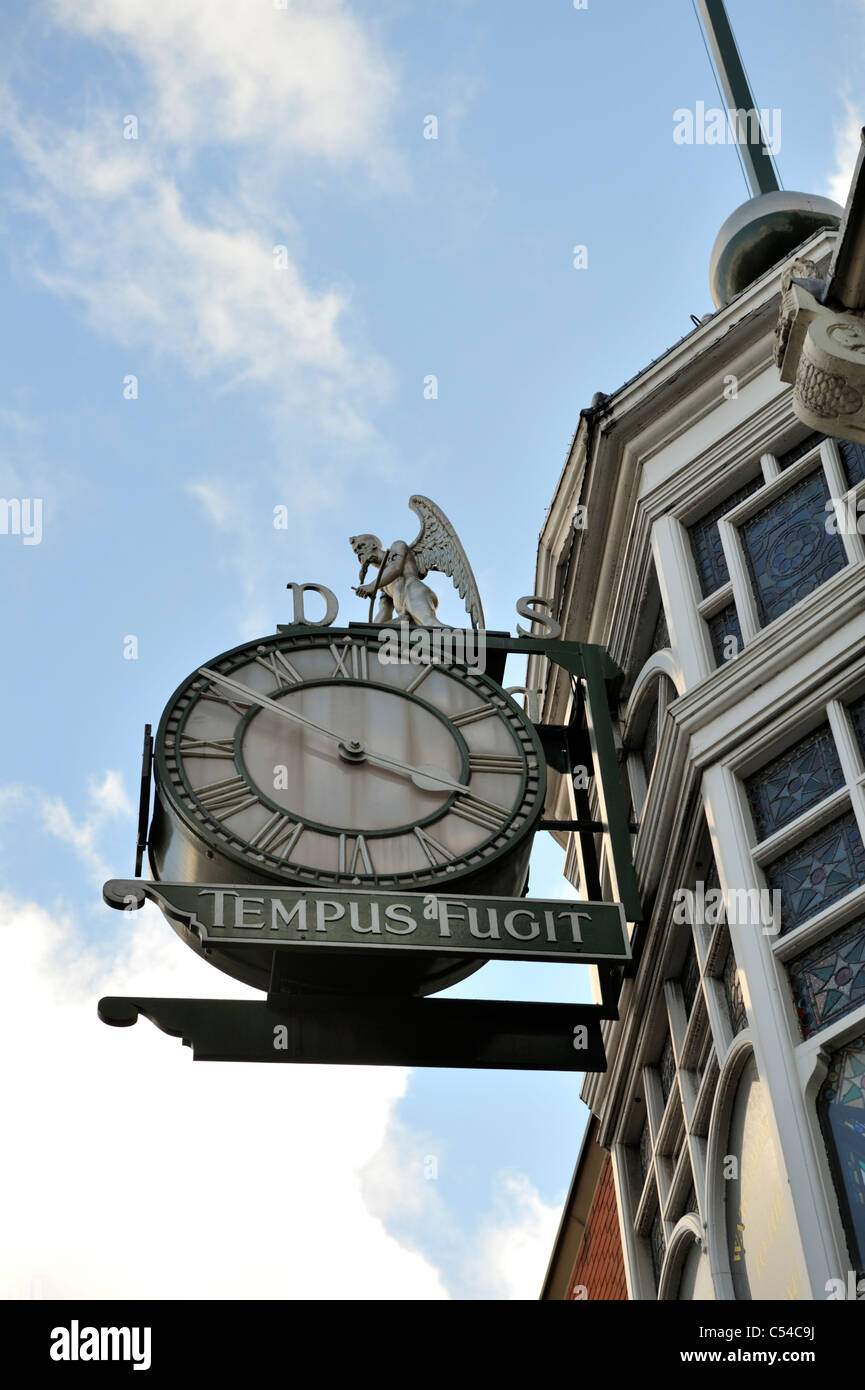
[402,568]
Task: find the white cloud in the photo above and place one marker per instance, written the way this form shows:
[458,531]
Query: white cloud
[515,1246]
[107,801]
[138,1174]
[847,143]
[306,78]
[169,258]
[215,501]
[501,1255]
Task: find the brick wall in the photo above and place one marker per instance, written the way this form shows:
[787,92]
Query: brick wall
[600,1268]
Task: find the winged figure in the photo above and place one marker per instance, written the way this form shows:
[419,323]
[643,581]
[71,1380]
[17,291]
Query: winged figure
[402,568]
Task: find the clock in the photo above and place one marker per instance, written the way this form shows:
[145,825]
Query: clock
[309,759]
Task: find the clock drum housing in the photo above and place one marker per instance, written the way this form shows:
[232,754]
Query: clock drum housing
[306,759]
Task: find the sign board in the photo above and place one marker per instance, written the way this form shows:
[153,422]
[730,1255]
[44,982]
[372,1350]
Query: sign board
[277,918]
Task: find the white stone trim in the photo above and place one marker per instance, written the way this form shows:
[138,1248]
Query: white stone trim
[686,1233]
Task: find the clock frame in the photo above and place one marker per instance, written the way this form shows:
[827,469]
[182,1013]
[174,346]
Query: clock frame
[384,827]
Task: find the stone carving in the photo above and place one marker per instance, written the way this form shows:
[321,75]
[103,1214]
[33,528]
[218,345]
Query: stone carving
[848,335]
[790,305]
[402,568]
[825,393]
[821,352]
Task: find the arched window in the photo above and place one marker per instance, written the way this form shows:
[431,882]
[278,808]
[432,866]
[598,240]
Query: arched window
[841,1108]
[664,694]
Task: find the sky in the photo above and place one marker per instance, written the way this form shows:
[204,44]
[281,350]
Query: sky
[232,262]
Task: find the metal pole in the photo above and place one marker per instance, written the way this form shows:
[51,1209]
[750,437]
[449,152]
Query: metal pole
[737,93]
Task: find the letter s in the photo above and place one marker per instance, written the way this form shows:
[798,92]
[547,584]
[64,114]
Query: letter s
[526,609]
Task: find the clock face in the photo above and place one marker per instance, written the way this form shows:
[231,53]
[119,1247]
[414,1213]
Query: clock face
[307,758]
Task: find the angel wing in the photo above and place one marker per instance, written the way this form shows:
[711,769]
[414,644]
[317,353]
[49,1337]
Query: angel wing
[438,548]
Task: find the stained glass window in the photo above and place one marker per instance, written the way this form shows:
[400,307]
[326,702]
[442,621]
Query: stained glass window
[791,456]
[841,1107]
[645,1149]
[690,978]
[658,1245]
[667,1068]
[706,540]
[661,635]
[733,990]
[857,714]
[829,980]
[853,460]
[819,871]
[722,625]
[797,780]
[788,549]
[650,742]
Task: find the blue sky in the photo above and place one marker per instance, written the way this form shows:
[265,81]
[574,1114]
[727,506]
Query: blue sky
[303,128]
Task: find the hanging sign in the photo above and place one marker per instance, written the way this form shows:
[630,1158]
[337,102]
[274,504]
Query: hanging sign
[275,918]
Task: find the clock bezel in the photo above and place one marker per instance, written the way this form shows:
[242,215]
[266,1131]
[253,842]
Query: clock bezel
[218,839]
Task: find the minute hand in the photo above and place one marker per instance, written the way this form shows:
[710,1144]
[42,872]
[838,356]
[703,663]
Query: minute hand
[421,776]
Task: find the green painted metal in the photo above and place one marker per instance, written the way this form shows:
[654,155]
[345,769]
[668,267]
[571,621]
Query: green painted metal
[611,801]
[278,918]
[335,1029]
[737,93]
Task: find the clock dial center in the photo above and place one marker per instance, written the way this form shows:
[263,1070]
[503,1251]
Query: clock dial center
[378,758]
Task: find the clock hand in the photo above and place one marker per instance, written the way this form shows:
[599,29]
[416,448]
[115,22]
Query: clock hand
[425,778]
[253,697]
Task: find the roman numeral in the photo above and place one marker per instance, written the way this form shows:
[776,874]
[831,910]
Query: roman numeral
[421,676]
[494,762]
[435,852]
[280,668]
[226,798]
[278,836]
[235,702]
[483,813]
[206,747]
[471,716]
[360,852]
[357,655]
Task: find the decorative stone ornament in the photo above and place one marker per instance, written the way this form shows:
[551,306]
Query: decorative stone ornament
[401,569]
[821,351]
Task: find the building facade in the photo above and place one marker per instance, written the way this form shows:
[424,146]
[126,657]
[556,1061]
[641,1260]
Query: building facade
[698,532]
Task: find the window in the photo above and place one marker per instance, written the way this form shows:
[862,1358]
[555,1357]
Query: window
[733,994]
[829,980]
[841,1107]
[667,1068]
[713,575]
[823,868]
[852,461]
[769,544]
[798,451]
[725,634]
[661,635]
[788,550]
[689,979]
[645,745]
[706,543]
[805,808]
[789,785]
[668,1149]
